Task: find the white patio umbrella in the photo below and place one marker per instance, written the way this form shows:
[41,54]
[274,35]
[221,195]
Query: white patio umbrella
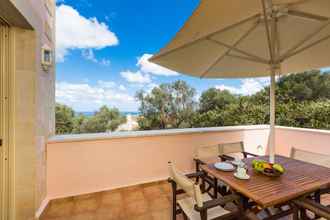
[251,38]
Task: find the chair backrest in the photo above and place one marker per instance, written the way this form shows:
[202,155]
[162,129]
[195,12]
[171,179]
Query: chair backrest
[311,157]
[192,189]
[317,208]
[234,150]
[229,148]
[205,152]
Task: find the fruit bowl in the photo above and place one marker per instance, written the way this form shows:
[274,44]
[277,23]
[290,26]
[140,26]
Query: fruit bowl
[271,173]
[268,169]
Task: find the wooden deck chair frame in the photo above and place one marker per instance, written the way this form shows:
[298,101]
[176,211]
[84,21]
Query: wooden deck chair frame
[325,190]
[319,210]
[209,182]
[201,207]
[223,153]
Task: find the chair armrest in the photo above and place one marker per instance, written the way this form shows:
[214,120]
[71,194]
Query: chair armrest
[226,157]
[197,174]
[216,202]
[317,208]
[198,161]
[325,191]
[249,154]
[190,175]
[174,187]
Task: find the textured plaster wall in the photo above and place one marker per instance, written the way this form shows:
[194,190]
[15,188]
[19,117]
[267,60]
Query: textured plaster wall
[317,141]
[33,92]
[85,163]
[23,124]
[79,167]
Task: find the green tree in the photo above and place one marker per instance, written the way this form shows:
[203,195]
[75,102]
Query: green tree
[171,105]
[103,120]
[214,98]
[301,101]
[304,114]
[64,116]
[77,123]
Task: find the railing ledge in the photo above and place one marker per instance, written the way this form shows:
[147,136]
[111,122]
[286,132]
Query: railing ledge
[134,134]
[310,130]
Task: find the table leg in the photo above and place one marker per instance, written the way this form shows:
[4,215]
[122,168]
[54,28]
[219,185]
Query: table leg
[317,195]
[215,192]
[295,210]
[244,203]
[243,207]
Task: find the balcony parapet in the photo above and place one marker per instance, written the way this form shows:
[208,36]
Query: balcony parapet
[309,130]
[87,163]
[151,133]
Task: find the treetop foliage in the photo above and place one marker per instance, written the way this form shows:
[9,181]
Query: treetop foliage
[302,100]
[106,119]
[167,106]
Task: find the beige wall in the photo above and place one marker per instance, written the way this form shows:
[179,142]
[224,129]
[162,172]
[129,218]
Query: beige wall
[90,163]
[22,134]
[306,139]
[84,166]
[32,100]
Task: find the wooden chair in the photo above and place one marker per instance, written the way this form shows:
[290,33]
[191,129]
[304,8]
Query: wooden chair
[315,158]
[311,157]
[197,205]
[232,151]
[204,155]
[312,206]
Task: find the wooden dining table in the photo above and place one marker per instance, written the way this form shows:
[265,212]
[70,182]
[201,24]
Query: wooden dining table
[300,178]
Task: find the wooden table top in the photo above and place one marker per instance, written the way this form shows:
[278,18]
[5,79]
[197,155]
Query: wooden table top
[299,179]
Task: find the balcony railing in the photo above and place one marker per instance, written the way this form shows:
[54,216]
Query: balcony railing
[79,164]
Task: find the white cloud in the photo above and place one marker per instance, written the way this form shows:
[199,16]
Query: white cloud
[247,87]
[147,67]
[73,31]
[122,88]
[106,84]
[136,77]
[86,97]
[89,55]
[104,62]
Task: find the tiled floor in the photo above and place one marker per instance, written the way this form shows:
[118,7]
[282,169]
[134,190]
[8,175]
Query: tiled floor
[150,201]
[144,202]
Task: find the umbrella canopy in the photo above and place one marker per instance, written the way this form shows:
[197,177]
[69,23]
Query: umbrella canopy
[254,38]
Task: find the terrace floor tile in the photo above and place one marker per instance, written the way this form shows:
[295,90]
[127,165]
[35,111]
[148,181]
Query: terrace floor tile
[143,202]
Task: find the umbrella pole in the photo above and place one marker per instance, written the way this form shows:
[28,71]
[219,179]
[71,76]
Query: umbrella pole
[272,117]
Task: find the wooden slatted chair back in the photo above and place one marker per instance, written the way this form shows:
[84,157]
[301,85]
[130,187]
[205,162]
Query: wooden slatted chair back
[206,152]
[183,182]
[229,148]
[234,149]
[311,157]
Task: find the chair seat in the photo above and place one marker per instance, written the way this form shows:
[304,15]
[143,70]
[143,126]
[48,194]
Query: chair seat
[187,206]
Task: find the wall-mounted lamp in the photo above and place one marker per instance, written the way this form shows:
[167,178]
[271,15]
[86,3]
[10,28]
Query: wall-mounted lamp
[46,57]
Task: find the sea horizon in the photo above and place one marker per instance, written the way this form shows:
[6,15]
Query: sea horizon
[87,113]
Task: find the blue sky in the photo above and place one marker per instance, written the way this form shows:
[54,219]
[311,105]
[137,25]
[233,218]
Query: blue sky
[103,49]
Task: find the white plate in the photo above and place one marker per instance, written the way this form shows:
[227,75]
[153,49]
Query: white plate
[224,166]
[246,177]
